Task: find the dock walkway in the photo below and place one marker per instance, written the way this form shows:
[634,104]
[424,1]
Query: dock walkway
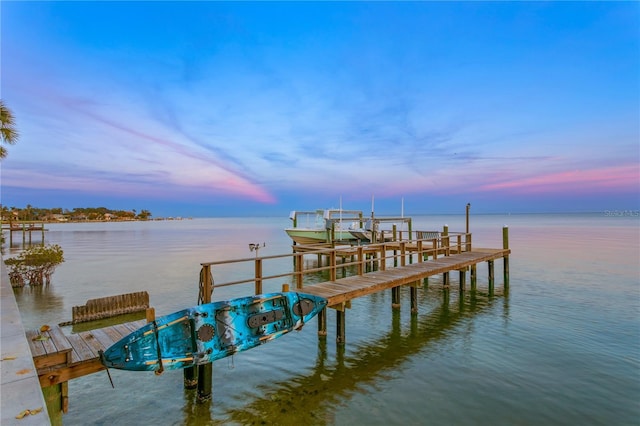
[59,358]
[345,289]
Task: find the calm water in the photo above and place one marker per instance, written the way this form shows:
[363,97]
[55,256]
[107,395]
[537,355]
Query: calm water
[562,347]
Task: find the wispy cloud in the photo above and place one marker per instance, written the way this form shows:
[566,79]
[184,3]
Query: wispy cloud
[350,103]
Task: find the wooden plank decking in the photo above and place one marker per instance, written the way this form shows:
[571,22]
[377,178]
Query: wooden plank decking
[345,289]
[59,358]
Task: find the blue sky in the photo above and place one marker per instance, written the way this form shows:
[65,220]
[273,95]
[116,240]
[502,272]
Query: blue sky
[215,108]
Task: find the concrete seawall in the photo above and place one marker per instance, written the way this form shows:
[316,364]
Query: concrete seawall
[19,387]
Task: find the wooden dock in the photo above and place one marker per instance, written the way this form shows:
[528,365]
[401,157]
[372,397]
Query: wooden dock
[59,358]
[344,290]
[26,228]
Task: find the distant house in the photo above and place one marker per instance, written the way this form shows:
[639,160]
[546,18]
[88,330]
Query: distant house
[59,217]
[109,216]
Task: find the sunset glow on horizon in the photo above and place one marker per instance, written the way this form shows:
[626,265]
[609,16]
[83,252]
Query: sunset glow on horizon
[216,108]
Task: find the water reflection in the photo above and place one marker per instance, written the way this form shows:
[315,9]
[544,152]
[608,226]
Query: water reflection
[38,298]
[329,382]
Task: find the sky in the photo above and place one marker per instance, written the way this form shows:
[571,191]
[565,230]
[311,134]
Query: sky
[203,109]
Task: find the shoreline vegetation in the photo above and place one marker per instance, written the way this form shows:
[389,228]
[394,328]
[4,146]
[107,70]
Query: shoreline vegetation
[78,214]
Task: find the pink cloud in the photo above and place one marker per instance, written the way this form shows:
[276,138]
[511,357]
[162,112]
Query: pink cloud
[621,178]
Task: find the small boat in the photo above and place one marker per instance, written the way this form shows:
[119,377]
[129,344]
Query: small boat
[208,332]
[324,226]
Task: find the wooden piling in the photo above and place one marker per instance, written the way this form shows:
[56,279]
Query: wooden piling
[491,275]
[332,266]
[190,378]
[463,279]
[322,323]
[258,276]
[360,258]
[299,264]
[505,245]
[467,217]
[205,371]
[395,298]
[53,396]
[205,382]
[340,326]
[445,240]
[414,298]
[474,276]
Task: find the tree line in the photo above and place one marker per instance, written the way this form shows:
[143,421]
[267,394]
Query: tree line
[58,214]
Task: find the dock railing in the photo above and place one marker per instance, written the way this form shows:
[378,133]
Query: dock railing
[405,247]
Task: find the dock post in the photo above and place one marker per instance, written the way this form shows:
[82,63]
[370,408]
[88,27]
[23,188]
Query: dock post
[445,242]
[322,323]
[505,245]
[299,268]
[414,298]
[474,274]
[491,275]
[205,382]
[340,325]
[258,275]
[205,371]
[467,217]
[463,279]
[54,398]
[395,298]
[332,264]
[190,378]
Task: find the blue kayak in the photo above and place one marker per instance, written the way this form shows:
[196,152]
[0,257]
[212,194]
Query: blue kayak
[204,333]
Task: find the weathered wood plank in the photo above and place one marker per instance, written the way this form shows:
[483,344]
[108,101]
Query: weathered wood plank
[62,375]
[81,350]
[114,334]
[59,340]
[37,349]
[122,329]
[134,325]
[103,338]
[91,342]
